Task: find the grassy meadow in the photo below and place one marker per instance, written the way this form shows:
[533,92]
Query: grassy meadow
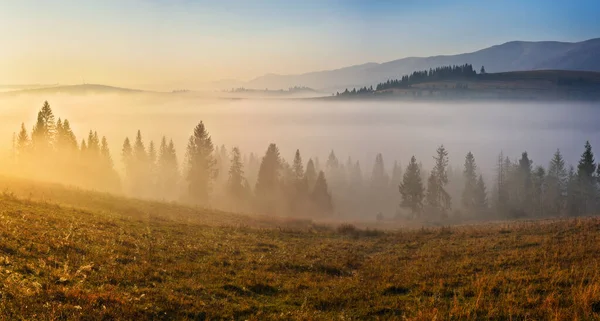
[69,254]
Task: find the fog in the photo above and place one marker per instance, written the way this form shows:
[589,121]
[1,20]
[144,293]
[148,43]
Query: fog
[358,130]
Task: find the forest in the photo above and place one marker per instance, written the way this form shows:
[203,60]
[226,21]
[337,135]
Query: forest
[218,177]
[454,72]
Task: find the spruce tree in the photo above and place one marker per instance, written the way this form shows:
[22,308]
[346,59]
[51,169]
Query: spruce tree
[481,202]
[437,196]
[141,179]
[23,145]
[128,162]
[42,136]
[556,185]
[268,184]
[411,188]
[587,183]
[573,200]
[469,195]
[236,182]
[538,182]
[310,174]
[201,165]
[168,170]
[320,195]
[298,166]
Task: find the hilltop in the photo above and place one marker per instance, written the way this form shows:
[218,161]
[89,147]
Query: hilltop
[71,254]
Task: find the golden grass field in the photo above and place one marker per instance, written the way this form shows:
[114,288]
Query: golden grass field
[68,254]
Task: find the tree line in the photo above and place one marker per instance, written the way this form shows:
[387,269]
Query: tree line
[215,176]
[453,72]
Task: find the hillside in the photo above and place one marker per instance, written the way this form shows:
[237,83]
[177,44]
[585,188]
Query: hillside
[510,56]
[70,254]
[519,85]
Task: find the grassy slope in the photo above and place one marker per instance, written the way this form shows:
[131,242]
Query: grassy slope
[68,254]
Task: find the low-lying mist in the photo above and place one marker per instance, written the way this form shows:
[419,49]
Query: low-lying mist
[359,130]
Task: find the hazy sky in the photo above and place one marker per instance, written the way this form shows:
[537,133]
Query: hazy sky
[186,42]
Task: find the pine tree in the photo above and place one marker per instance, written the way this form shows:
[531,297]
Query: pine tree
[587,182]
[201,165]
[310,174]
[538,182]
[481,202]
[556,185]
[469,196]
[298,166]
[437,196]
[379,177]
[23,145]
[236,182]
[152,168]
[268,183]
[140,169]
[128,162]
[320,195]
[523,186]
[573,200]
[411,188]
[501,201]
[110,179]
[168,170]
[42,136]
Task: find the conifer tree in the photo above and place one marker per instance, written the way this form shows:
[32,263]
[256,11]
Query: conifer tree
[235,183]
[481,202]
[587,183]
[268,183]
[168,170]
[128,162]
[469,196]
[437,196]
[23,145]
[310,174]
[573,201]
[320,195]
[538,185]
[110,178]
[556,185]
[411,188]
[42,136]
[501,200]
[201,165]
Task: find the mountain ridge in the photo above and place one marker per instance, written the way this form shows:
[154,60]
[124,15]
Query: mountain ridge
[509,56]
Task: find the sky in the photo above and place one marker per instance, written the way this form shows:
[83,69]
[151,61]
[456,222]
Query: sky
[188,43]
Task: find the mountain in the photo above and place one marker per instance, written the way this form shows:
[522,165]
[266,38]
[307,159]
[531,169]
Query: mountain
[510,56]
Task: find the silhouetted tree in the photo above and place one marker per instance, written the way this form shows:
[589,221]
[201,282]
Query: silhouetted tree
[437,196]
[236,182]
[587,183]
[310,174]
[481,202]
[168,170]
[268,183]
[411,188]
[42,136]
[320,195]
[556,185]
[201,165]
[469,195]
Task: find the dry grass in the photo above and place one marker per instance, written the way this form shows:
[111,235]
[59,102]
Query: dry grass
[81,255]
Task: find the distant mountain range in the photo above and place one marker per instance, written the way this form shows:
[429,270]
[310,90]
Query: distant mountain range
[510,56]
